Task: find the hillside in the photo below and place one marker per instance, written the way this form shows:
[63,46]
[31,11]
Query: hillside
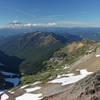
[71,58]
[73,55]
[85,89]
[67,75]
[9,63]
[33,48]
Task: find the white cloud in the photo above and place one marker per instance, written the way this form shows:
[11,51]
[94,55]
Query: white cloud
[42,25]
[16,24]
[51,24]
[14,21]
[27,25]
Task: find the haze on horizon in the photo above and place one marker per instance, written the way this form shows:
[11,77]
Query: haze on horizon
[60,13]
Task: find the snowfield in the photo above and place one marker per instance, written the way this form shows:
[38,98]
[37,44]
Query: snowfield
[24,86]
[7,73]
[29,96]
[72,78]
[63,79]
[2,91]
[15,81]
[97,55]
[32,89]
[4,97]
[35,83]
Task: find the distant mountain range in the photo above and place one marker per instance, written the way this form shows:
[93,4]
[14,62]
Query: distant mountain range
[17,28]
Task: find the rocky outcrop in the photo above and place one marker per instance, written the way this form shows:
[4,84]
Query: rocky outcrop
[86,89]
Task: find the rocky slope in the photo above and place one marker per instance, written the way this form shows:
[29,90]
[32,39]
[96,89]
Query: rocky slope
[85,89]
[64,76]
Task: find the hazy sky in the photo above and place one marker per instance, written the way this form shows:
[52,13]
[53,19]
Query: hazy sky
[54,12]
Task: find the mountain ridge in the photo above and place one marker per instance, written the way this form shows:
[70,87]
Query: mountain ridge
[33,48]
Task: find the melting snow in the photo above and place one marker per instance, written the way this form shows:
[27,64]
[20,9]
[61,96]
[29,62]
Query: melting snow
[4,97]
[36,83]
[32,89]
[72,78]
[66,67]
[29,96]
[12,92]
[15,81]
[7,73]
[24,86]
[97,55]
[2,91]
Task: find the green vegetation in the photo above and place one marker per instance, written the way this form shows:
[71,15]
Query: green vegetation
[32,49]
[40,55]
[62,57]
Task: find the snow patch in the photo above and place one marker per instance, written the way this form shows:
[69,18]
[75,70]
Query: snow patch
[38,82]
[15,81]
[35,83]
[84,72]
[97,55]
[32,89]
[4,97]
[2,91]
[29,96]
[12,92]
[72,78]
[7,73]
[24,86]
[66,67]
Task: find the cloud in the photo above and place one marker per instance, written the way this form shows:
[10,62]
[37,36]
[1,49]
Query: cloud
[51,24]
[42,25]
[16,24]
[59,23]
[45,25]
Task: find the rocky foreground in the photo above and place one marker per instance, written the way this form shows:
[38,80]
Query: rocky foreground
[87,88]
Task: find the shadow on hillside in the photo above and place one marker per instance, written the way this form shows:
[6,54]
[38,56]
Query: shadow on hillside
[11,63]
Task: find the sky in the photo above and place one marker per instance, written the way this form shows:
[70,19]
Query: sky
[64,13]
